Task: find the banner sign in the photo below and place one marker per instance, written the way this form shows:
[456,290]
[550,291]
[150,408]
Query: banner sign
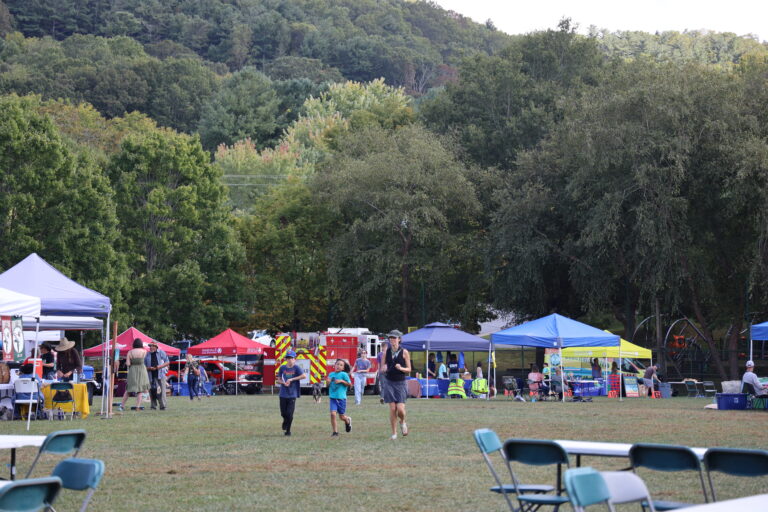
[7,338]
[630,386]
[18,339]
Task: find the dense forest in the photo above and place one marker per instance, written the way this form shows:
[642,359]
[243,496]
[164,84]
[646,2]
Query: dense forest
[293,164]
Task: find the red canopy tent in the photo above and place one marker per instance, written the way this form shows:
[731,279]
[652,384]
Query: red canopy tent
[125,343]
[228,343]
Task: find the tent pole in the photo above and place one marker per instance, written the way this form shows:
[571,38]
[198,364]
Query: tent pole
[426,368]
[488,366]
[562,372]
[34,369]
[236,379]
[750,341]
[621,377]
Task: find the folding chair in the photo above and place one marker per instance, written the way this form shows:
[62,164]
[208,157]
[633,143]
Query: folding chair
[79,475]
[736,462]
[29,495]
[63,386]
[27,388]
[586,487]
[663,457]
[690,387]
[489,442]
[626,487]
[709,388]
[510,386]
[62,442]
[536,452]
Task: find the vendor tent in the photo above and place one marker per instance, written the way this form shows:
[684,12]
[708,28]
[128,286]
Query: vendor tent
[125,343]
[757,332]
[439,336]
[13,303]
[228,343]
[555,331]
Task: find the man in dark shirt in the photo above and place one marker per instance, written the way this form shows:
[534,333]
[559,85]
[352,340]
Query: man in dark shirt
[157,363]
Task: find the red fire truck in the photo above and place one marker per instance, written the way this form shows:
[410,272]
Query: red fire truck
[338,343]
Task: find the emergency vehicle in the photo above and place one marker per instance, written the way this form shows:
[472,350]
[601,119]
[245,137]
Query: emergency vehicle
[316,353]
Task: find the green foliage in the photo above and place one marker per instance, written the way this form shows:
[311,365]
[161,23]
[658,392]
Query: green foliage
[407,211]
[246,106]
[176,236]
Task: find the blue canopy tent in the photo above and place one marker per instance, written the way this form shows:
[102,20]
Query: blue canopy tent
[555,331]
[757,332]
[438,336]
[59,295]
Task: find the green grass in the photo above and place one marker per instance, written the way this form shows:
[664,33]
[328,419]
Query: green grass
[228,453]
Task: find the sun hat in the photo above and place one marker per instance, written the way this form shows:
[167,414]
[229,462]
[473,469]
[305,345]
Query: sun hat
[394,334]
[750,364]
[151,343]
[64,344]
[290,353]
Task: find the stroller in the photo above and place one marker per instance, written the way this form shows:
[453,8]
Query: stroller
[511,389]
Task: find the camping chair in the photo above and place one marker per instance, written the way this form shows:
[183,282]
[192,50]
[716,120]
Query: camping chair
[29,495]
[736,462]
[489,442]
[536,452]
[62,442]
[586,487]
[626,487]
[510,386]
[30,389]
[79,475]
[690,387]
[663,457]
[709,388]
[70,389]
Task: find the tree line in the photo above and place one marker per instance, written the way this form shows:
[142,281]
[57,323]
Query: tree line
[544,176]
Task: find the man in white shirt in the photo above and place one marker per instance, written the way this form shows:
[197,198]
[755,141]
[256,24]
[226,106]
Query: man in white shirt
[751,378]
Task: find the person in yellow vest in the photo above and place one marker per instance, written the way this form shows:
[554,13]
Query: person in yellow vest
[456,389]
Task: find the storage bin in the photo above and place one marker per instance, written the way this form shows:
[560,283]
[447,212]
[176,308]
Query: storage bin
[88,372]
[731,401]
[665,388]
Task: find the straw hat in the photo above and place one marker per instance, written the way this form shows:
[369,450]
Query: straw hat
[64,344]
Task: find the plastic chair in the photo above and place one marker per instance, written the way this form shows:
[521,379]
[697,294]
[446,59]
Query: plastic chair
[63,386]
[79,475]
[489,443]
[29,495]
[663,457]
[626,487]
[62,442]
[709,388]
[613,394]
[586,487]
[536,452]
[736,462]
[30,388]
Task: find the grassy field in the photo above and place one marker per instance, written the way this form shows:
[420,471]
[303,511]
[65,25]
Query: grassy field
[228,453]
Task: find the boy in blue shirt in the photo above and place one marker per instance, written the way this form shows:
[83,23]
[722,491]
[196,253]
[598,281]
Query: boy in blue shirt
[338,383]
[288,376]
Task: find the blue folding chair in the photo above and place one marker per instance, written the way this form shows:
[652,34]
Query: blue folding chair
[62,442]
[67,387]
[80,475]
[736,462]
[489,443]
[29,495]
[536,452]
[586,487]
[663,457]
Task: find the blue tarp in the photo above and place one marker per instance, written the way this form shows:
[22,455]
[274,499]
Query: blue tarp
[438,336]
[760,331]
[553,330]
[59,295]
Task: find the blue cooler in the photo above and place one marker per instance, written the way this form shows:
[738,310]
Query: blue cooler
[731,401]
[88,373]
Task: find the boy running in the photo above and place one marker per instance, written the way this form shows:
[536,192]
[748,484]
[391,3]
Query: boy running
[338,383]
[289,376]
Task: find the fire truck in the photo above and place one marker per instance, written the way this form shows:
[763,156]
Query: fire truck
[316,353]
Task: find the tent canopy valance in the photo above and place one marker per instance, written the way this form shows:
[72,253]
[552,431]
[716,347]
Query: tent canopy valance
[228,343]
[58,294]
[125,343]
[626,349]
[555,331]
[439,336]
[64,323]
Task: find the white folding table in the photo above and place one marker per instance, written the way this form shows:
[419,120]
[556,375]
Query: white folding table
[18,441]
[746,504]
[602,449]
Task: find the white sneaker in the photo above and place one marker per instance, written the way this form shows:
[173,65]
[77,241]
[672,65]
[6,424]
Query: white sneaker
[393,437]
[404,429]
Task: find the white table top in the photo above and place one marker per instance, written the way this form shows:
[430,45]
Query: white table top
[747,504]
[603,449]
[19,441]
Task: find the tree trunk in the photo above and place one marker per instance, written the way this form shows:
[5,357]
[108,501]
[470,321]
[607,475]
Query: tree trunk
[704,326]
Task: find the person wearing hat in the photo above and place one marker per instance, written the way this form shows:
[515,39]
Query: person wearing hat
[288,376]
[396,366]
[751,379]
[68,360]
[157,363]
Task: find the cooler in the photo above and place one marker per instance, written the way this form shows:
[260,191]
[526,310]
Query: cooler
[88,372]
[731,401]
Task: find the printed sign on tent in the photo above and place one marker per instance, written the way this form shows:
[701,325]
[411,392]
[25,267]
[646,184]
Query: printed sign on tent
[18,338]
[7,338]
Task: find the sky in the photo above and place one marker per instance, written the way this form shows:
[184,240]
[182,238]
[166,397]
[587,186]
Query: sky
[521,16]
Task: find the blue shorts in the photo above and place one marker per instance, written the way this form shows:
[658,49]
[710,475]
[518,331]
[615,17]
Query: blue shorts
[339,405]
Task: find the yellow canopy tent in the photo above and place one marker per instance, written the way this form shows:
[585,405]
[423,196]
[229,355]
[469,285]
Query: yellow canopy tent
[626,349]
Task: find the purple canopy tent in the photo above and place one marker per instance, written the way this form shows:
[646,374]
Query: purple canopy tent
[59,295]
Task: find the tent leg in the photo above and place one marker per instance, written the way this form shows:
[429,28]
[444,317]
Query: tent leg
[34,372]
